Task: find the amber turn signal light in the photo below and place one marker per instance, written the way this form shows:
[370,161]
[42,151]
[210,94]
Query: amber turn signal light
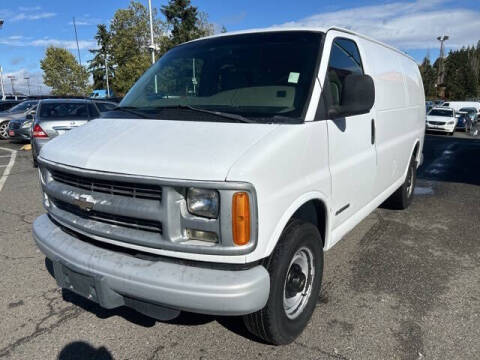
[241,218]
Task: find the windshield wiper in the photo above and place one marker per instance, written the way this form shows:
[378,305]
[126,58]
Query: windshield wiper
[132,110]
[285,119]
[225,115]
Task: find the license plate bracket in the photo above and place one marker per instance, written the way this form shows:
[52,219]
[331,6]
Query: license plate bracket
[91,287]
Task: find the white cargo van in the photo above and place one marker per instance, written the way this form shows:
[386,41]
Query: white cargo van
[228,169]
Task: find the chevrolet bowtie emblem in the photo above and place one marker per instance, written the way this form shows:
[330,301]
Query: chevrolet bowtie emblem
[85,202]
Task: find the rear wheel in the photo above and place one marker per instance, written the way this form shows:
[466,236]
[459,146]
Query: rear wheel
[296,269]
[402,198]
[4,130]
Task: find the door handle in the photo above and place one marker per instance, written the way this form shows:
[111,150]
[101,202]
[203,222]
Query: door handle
[373,131]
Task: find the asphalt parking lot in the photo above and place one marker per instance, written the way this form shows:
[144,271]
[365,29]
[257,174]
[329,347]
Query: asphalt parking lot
[401,285]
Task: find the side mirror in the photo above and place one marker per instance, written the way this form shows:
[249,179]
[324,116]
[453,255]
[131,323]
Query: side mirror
[30,116]
[358,97]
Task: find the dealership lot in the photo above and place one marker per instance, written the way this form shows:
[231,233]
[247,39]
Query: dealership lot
[401,285]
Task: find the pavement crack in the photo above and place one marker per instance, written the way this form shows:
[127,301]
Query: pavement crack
[64,315]
[333,355]
[22,217]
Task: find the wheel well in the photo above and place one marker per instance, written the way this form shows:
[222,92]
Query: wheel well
[313,211]
[415,150]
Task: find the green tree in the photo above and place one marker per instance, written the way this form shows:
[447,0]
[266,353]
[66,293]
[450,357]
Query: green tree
[460,79]
[63,73]
[97,64]
[130,41]
[429,77]
[185,22]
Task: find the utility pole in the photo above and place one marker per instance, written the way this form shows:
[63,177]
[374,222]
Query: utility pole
[12,80]
[76,39]
[28,83]
[441,66]
[1,83]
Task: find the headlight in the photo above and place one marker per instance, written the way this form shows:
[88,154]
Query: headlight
[27,124]
[451,122]
[203,202]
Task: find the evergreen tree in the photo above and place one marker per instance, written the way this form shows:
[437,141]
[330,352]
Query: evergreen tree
[97,64]
[185,22]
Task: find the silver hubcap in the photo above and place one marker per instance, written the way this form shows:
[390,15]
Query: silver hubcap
[298,283]
[4,129]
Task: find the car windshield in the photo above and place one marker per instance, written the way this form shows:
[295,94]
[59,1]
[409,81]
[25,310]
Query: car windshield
[262,77]
[23,106]
[59,111]
[469,111]
[441,112]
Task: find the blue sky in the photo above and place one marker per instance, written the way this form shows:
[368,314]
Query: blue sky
[30,26]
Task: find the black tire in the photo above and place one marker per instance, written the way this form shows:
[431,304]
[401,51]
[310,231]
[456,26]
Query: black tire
[402,198]
[34,157]
[4,130]
[272,324]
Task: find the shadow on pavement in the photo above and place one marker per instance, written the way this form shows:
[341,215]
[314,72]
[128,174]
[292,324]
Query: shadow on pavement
[451,159]
[81,350]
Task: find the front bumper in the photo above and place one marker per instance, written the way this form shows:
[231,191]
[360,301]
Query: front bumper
[115,279]
[442,128]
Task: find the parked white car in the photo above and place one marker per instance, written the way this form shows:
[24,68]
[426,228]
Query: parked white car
[229,168]
[458,105]
[442,119]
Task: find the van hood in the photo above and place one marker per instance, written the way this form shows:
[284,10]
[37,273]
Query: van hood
[160,148]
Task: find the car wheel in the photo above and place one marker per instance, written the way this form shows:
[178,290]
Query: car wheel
[4,130]
[402,198]
[296,270]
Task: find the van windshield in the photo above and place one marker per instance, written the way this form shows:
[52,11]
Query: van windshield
[264,77]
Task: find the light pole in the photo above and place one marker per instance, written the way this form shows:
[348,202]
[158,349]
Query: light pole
[1,83]
[28,83]
[12,80]
[441,66]
[152,43]
[1,70]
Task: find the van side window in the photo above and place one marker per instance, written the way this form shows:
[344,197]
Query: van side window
[344,60]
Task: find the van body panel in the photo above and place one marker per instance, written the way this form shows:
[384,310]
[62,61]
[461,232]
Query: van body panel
[303,150]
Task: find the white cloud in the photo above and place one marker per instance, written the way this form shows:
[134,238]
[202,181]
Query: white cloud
[18,40]
[406,25]
[36,82]
[35,16]
[67,44]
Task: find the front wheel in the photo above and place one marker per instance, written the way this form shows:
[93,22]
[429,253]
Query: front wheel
[402,198]
[4,130]
[296,270]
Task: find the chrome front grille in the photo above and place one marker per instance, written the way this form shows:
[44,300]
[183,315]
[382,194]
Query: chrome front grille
[118,220]
[436,122]
[133,190]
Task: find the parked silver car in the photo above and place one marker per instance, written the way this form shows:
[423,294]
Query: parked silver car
[55,117]
[19,111]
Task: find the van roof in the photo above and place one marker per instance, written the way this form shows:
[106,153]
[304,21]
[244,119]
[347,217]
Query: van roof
[306,28]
